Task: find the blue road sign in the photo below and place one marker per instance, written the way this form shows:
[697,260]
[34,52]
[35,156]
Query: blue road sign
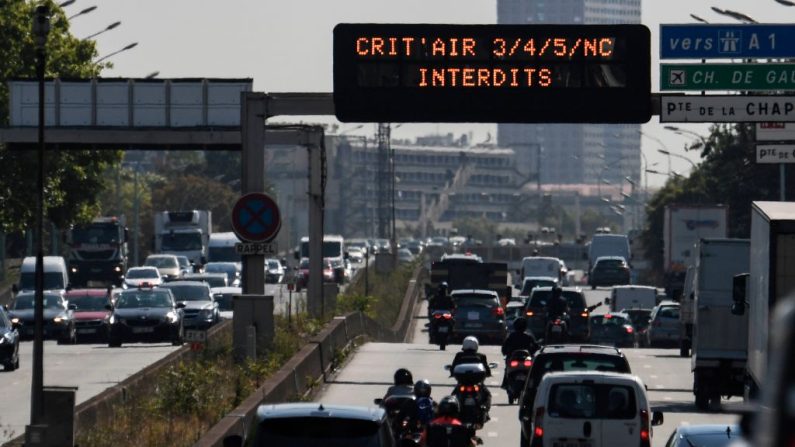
[256,218]
[707,41]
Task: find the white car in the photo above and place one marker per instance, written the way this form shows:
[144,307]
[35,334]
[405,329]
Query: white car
[167,265]
[136,276]
[595,408]
[356,254]
[274,271]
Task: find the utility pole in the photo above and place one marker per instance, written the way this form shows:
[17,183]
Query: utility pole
[384,182]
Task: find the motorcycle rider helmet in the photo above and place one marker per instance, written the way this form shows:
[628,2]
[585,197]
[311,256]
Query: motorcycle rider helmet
[403,377]
[556,291]
[448,407]
[520,325]
[443,286]
[422,388]
[470,344]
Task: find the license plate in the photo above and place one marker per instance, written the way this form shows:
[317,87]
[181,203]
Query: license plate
[96,270]
[473,316]
[520,377]
[443,330]
[143,330]
[87,331]
[469,401]
[474,325]
[557,329]
[571,444]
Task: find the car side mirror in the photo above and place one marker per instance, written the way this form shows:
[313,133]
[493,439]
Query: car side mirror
[126,235]
[233,441]
[15,288]
[378,401]
[657,418]
[607,300]
[447,367]
[109,307]
[180,305]
[72,307]
[494,365]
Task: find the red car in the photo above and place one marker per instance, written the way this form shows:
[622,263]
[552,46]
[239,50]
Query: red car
[91,315]
[302,276]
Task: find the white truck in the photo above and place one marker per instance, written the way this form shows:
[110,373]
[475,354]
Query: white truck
[771,279]
[632,297]
[683,227]
[608,245]
[719,339]
[185,233]
[686,313]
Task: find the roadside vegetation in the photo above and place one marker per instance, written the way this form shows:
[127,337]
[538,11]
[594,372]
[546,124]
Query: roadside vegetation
[386,293]
[193,396]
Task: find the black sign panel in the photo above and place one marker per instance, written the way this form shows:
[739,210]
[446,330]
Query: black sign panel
[492,73]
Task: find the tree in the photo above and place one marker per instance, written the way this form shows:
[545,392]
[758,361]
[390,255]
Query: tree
[190,192]
[72,178]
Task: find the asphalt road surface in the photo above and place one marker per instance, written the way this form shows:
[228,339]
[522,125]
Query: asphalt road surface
[369,373]
[91,368]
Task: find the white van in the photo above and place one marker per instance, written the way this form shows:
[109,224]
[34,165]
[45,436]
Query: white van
[333,250]
[632,297]
[596,408]
[56,275]
[539,266]
[221,248]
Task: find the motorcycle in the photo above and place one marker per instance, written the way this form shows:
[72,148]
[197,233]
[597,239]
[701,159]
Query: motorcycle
[441,327]
[517,369]
[469,387]
[557,330]
[395,407]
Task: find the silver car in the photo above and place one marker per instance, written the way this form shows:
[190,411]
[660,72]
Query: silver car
[664,326]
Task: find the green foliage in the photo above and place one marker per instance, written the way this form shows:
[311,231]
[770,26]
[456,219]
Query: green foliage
[72,178]
[355,303]
[727,175]
[385,295]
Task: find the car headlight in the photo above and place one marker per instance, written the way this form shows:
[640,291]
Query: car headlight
[118,269]
[207,313]
[59,319]
[4,340]
[15,320]
[172,317]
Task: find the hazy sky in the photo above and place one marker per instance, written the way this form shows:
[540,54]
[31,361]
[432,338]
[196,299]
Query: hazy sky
[286,45]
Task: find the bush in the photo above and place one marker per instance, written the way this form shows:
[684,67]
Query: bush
[385,297]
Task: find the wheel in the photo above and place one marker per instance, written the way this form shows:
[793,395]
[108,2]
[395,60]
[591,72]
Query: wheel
[593,287]
[442,346]
[16,364]
[684,349]
[114,344]
[178,341]
[523,442]
[702,401]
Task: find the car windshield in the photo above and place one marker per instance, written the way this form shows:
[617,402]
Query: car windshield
[184,262]
[713,439]
[640,318]
[530,284]
[540,297]
[182,241]
[314,431]
[142,273]
[88,303]
[610,264]
[304,264]
[608,320]
[52,281]
[578,362]
[132,299]
[96,234]
[671,312]
[587,401]
[24,302]
[160,262]
[189,292]
[273,264]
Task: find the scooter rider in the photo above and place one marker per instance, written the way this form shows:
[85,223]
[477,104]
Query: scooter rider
[446,430]
[518,340]
[557,306]
[426,407]
[469,354]
[441,300]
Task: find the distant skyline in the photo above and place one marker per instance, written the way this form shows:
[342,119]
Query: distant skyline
[287,46]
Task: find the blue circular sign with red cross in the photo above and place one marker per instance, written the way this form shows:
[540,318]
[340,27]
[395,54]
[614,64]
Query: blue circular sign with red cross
[256,217]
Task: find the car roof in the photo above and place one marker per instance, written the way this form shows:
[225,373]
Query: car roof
[540,278]
[473,291]
[595,349]
[634,287]
[564,376]
[84,292]
[184,283]
[29,262]
[33,293]
[610,258]
[227,289]
[297,410]
[544,258]
[667,303]
[704,429]
[564,289]
[144,267]
[204,275]
[612,314]
[161,256]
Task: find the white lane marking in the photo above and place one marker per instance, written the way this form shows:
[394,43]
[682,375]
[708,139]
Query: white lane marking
[653,376]
[494,419]
[492,434]
[667,398]
[659,386]
[647,366]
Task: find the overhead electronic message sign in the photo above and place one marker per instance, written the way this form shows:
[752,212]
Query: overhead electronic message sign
[492,73]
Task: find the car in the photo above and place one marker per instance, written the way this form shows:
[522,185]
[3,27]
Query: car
[609,271]
[536,313]
[184,264]
[706,435]
[274,272]
[664,325]
[531,282]
[558,358]
[302,274]
[310,424]
[228,268]
[356,254]
[136,276]
[414,246]
[9,342]
[223,296]
[167,265]
[564,273]
[641,318]
[212,279]
[592,408]
[613,329]
[539,266]
[479,313]
[405,256]
[145,314]
[59,320]
[91,312]
[513,310]
[200,309]
[56,275]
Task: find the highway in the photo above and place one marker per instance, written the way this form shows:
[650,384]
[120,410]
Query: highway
[90,367]
[369,373]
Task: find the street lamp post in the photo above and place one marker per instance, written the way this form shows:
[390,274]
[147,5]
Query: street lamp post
[128,47]
[107,28]
[83,12]
[41,28]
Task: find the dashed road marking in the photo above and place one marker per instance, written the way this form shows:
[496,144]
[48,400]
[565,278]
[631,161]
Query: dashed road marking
[667,398]
[494,419]
[492,434]
[647,366]
[653,376]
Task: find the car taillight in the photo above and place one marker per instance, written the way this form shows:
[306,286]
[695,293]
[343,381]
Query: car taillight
[584,314]
[538,423]
[514,363]
[437,316]
[530,313]
[644,427]
[629,329]
[528,363]
[499,311]
[447,316]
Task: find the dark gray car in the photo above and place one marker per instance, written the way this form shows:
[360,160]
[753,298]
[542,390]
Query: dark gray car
[479,313]
[201,310]
[59,320]
[145,314]
[664,326]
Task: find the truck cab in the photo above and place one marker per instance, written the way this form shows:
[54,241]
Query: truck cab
[185,233]
[98,252]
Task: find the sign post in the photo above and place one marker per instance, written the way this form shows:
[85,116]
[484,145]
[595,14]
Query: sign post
[256,220]
[744,77]
[725,41]
[726,109]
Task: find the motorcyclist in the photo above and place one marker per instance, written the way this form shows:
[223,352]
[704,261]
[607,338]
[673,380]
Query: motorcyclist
[441,299]
[446,430]
[557,306]
[404,384]
[517,340]
[469,354]
[425,407]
